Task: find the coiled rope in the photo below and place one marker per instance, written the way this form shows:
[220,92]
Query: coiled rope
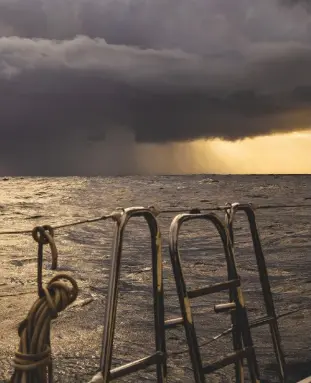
[33,360]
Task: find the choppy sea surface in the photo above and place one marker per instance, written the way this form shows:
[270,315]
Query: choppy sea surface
[84,252]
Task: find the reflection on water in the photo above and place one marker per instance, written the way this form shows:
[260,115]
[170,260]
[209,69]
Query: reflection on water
[85,250]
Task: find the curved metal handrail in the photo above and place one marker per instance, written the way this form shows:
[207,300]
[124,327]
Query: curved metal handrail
[122,218]
[249,211]
[235,295]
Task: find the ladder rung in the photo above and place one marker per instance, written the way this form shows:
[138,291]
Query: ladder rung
[171,323]
[137,365]
[223,307]
[229,359]
[260,321]
[214,288]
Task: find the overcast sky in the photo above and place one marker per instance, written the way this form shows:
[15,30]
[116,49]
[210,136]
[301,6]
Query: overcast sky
[74,73]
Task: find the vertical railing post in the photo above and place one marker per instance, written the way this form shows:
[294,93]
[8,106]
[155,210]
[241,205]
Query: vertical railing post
[248,209]
[159,358]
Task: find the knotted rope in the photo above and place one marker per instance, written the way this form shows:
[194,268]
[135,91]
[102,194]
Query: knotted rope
[44,235]
[33,361]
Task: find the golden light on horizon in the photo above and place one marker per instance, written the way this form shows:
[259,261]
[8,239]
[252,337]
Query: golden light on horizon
[278,153]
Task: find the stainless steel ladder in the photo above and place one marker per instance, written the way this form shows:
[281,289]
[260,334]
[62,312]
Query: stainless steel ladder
[242,339]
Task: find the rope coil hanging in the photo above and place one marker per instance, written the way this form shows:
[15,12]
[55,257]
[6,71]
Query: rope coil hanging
[33,360]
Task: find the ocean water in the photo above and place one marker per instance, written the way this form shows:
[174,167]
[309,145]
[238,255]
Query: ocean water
[84,252]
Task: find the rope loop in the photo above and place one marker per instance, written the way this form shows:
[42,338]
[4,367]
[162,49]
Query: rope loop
[30,362]
[43,234]
[33,360]
[69,295]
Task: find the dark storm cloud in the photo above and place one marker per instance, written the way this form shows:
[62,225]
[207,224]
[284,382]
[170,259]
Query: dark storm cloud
[167,70]
[87,85]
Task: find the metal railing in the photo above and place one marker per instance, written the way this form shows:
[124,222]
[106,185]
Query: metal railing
[241,326]
[242,339]
[159,357]
[271,317]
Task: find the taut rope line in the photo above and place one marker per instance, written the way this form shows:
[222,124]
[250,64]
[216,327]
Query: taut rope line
[158,212]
